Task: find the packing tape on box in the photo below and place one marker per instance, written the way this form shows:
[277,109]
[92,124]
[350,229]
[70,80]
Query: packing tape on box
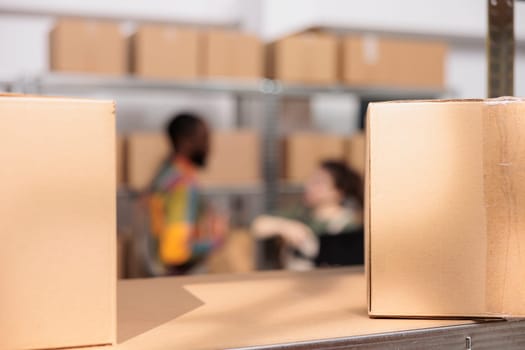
[504,193]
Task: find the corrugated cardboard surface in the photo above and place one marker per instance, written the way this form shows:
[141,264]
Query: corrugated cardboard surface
[88,46]
[303,152]
[58,220]
[232,54]
[234,159]
[446,188]
[304,58]
[355,152]
[372,60]
[266,308]
[162,51]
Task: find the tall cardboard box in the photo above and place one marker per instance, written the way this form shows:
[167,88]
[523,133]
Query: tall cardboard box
[88,46]
[232,54]
[303,152]
[382,61]
[356,152]
[304,58]
[235,159]
[166,52]
[58,223]
[445,208]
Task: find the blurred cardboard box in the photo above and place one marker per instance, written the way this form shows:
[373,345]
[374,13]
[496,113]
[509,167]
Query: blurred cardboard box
[232,54]
[146,152]
[446,208]
[236,255]
[303,152]
[166,52]
[356,152]
[88,46]
[58,226]
[304,58]
[234,159]
[373,60]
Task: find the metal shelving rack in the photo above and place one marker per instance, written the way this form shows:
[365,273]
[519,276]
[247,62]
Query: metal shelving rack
[270,92]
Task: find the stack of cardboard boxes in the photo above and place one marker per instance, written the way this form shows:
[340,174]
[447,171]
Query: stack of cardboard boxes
[186,53]
[155,51]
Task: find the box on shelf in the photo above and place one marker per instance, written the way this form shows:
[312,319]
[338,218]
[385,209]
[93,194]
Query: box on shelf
[146,152]
[232,54]
[303,152]
[446,208]
[88,46]
[166,52]
[58,226]
[356,152]
[382,61]
[234,159]
[304,58]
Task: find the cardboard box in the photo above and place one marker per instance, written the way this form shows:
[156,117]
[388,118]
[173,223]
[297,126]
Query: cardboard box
[356,152]
[58,226]
[88,46]
[232,54]
[304,58]
[304,151]
[167,52]
[234,159]
[445,208]
[381,61]
[146,152]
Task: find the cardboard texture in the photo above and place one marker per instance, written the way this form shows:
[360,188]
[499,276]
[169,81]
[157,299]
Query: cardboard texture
[303,152]
[268,308]
[88,46]
[232,54]
[236,255]
[234,159]
[58,223]
[304,58]
[166,52]
[356,152]
[381,61]
[446,209]
[146,152]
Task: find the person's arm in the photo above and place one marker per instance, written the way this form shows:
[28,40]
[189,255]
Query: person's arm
[295,233]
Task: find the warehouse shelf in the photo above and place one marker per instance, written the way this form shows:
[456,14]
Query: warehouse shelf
[271,93]
[59,82]
[253,189]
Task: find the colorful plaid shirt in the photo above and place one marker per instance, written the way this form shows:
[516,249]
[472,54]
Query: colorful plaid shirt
[184,231]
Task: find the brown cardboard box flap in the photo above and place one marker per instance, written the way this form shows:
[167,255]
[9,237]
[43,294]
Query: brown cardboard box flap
[446,208]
